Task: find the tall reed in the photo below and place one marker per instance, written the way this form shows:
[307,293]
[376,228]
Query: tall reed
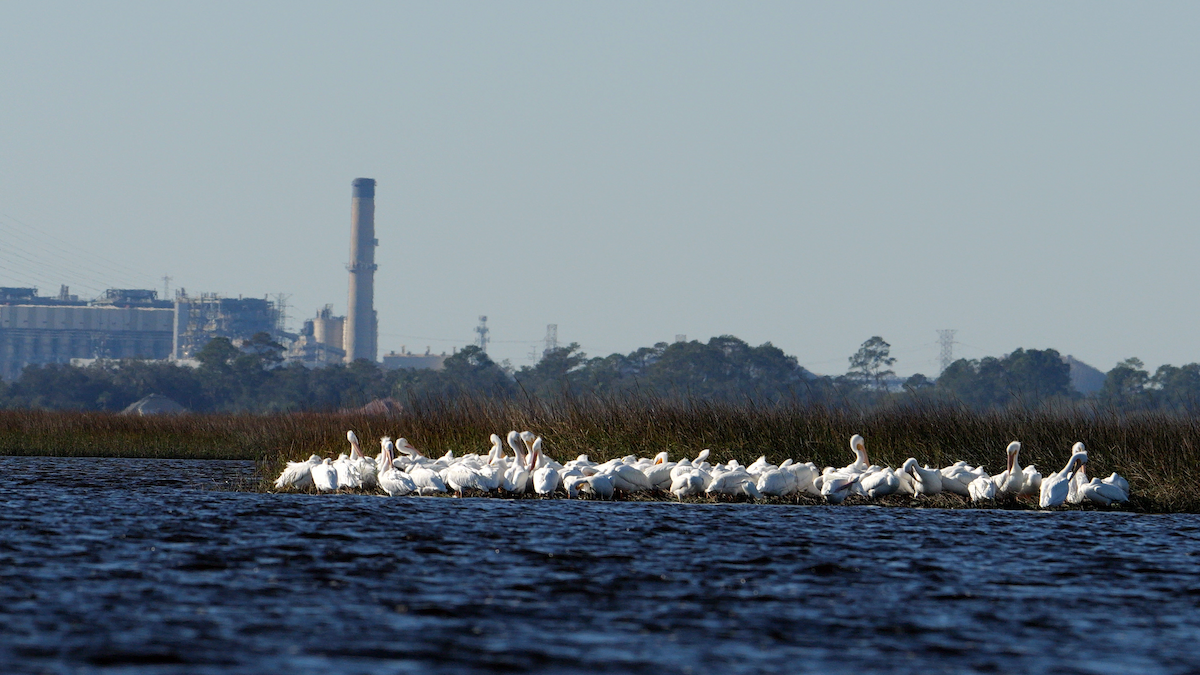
[1158,453]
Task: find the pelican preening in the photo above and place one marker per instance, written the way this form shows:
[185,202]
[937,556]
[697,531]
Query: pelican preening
[401,469]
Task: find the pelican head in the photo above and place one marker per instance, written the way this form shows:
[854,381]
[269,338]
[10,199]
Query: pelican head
[352,437]
[514,442]
[1076,464]
[1014,449]
[701,457]
[404,446]
[910,466]
[535,454]
[528,437]
[355,449]
[1078,448]
[661,457]
[859,447]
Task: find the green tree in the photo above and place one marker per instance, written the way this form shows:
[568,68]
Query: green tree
[872,363]
[1125,386]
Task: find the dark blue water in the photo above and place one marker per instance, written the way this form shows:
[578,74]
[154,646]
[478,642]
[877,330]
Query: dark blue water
[141,566]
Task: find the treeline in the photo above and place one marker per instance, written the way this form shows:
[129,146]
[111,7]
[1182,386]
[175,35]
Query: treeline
[253,378]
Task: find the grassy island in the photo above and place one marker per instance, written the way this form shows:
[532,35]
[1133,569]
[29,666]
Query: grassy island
[1158,453]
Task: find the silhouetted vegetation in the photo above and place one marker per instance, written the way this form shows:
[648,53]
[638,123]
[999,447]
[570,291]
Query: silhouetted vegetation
[252,379]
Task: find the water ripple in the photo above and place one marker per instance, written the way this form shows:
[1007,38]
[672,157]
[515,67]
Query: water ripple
[121,565]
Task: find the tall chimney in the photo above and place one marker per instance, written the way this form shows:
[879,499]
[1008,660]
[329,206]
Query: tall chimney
[362,329]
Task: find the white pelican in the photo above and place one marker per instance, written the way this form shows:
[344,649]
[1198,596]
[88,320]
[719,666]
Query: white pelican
[837,486]
[348,473]
[297,474]
[572,479]
[1103,493]
[463,476]
[956,478]
[1114,479]
[516,478]
[659,471]
[845,481]
[545,477]
[325,476]
[733,480]
[1075,491]
[393,481]
[427,480]
[879,483]
[806,475]
[1011,481]
[776,482]
[861,463]
[923,481]
[982,488]
[624,477]
[688,483]
[367,468]
[1057,486]
[600,485]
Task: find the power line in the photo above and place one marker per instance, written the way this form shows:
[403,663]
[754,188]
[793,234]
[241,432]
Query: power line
[110,267]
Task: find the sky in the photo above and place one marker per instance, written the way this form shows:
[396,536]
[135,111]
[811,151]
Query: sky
[808,174]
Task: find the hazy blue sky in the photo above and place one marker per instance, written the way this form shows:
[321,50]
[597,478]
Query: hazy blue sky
[811,174]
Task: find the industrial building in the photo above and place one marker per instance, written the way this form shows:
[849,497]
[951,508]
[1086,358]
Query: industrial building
[320,340]
[136,323]
[122,324]
[406,359]
[204,317]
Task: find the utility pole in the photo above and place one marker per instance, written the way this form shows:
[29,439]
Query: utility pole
[946,339]
[482,329]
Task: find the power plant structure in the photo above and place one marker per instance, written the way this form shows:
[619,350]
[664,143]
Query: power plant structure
[137,323]
[361,334]
[320,340]
[199,319]
[121,324]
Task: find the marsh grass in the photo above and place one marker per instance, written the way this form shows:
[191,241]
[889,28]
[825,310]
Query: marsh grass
[1157,453]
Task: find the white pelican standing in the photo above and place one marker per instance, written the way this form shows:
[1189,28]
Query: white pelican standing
[1011,481]
[394,482]
[1057,486]
[545,477]
[516,478]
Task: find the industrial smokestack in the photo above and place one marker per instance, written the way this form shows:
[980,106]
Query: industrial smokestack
[362,329]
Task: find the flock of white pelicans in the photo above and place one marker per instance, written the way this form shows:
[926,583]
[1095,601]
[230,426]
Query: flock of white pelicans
[400,469]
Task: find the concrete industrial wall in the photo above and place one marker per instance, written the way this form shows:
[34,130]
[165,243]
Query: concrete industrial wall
[34,334]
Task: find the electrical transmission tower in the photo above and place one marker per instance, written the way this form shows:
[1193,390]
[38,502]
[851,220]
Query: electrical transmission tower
[482,329]
[946,339]
[166,287]
[551,339]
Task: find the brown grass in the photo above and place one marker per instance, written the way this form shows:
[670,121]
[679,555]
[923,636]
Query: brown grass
[1157,453]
